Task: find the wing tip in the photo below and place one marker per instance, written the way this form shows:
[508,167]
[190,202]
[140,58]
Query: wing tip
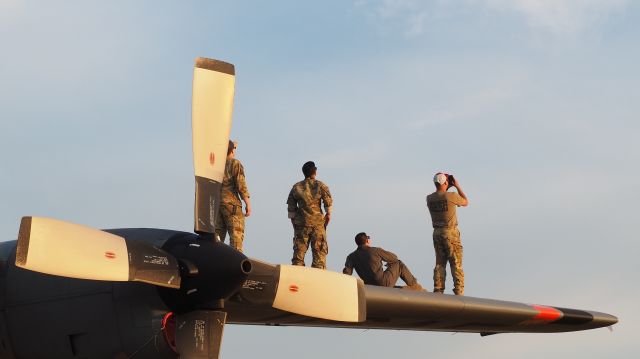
[215,65]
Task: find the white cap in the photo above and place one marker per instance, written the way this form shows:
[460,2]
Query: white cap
[440,178]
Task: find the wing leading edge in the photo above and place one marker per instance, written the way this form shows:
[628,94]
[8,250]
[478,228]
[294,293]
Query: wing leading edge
[391,308]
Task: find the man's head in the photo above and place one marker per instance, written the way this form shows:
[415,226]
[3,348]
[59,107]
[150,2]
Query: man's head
[309,169]
[231,148]
[362,239]
[441,181]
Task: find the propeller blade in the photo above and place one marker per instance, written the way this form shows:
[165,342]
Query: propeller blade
[213,89]
[320,294]
[70,250]
[306,291]
[199,334]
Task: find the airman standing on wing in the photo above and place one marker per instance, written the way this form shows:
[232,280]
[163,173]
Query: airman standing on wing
[446,237]
[234,188]
[304,206]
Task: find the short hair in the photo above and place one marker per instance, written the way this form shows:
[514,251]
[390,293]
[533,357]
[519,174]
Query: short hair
[308,169]
[232,146]
[361,238]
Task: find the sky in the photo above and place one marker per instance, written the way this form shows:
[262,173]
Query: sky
[532,105]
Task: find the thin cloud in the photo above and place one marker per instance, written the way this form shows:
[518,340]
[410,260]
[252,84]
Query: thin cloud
[408,15]
[8,5]
[561,16]
[556,17]
[10,11]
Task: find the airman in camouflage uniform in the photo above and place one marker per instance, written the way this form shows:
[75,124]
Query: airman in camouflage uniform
[234,188]
[309,223]
[446,237]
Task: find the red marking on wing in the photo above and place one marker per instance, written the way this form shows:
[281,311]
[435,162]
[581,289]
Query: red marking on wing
[212,158]
[110,255]
[546,314]
[293,288]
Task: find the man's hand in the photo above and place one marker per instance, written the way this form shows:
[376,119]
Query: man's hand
[327,219]
[247,203]
[456,184]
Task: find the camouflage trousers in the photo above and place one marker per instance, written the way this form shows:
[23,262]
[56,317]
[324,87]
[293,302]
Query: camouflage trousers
[448,248]
[231,219]
[304,236]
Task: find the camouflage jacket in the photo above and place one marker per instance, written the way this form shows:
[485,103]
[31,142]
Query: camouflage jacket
[304,205]
[234,185]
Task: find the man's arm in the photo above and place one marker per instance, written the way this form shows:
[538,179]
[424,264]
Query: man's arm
[348,267]
[241,185]
[387,256]
[327,200]
[247,204]
[292,205]
[465,201]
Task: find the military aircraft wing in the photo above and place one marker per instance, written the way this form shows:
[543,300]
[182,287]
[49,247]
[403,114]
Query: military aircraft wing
[201,283]
[402,309]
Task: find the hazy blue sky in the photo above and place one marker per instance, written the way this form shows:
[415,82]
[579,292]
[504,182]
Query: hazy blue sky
[533,105]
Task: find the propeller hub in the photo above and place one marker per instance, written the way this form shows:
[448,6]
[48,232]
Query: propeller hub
[221,270]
